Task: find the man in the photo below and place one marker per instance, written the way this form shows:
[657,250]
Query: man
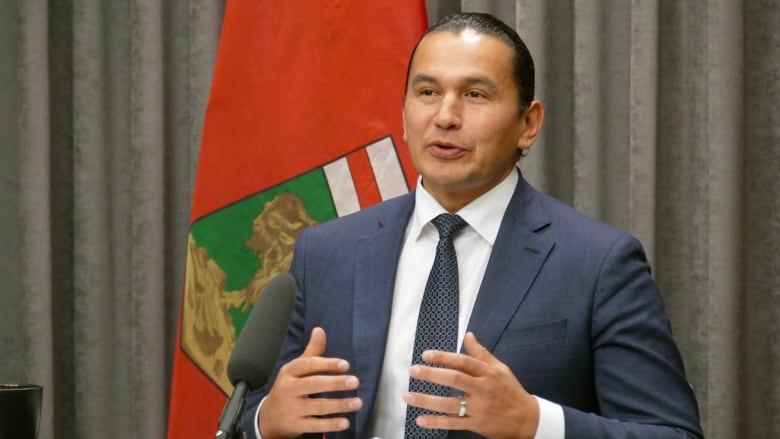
[561,327]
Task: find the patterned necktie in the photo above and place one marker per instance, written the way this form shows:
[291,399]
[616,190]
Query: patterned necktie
[437,325]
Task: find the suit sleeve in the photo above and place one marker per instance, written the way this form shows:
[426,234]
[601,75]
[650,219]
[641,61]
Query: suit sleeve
[641,388]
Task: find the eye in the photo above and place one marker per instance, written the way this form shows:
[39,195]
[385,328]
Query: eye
[427,92]
[474,94]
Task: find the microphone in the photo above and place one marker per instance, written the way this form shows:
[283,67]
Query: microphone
[254,356]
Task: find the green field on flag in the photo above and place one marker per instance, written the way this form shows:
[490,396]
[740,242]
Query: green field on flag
[224,232]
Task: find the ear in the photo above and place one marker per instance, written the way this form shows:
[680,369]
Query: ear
[403,121]
[532,124]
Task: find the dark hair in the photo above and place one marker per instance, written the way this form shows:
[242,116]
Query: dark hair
[522,63]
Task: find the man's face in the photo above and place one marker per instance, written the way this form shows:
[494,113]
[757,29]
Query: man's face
[461,115]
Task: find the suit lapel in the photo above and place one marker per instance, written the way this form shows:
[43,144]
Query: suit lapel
[377,256]
[516,259]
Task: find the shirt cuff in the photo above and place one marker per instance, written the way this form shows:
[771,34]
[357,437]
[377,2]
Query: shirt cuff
[257,419]
[551,422]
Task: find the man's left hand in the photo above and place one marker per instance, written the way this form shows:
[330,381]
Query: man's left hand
[497,405]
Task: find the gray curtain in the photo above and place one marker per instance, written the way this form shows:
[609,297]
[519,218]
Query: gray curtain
[661,120]
[101,109]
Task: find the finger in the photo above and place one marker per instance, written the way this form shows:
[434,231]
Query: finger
[330,406]
[452,360]
[316,346]
[446,405]
[311,361]
[443,376]
[306,366]
[327,383]
[476,350]
[474,363]
[445,422]
[324,425]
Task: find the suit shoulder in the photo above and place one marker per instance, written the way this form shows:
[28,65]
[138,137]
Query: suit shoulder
[571,224]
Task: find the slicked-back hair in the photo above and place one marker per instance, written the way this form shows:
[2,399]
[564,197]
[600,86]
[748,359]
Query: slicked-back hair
[486,24]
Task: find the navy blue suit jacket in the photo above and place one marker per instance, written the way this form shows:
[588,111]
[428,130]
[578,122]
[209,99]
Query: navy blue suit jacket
[567,303]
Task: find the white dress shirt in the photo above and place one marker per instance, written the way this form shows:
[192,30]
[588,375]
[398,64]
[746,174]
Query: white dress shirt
[473,246]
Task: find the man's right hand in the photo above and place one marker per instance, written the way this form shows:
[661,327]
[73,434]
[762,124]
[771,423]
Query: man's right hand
[289,412]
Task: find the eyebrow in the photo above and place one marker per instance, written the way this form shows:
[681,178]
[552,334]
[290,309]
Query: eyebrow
[468,81]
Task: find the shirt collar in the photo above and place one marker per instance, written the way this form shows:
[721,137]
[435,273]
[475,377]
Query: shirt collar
[484,214]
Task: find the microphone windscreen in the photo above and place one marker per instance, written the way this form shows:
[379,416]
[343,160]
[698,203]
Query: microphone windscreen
[254,356]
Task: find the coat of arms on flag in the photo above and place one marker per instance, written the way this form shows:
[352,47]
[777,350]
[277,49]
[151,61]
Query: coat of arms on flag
[228,267]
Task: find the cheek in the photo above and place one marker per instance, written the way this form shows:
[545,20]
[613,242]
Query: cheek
[504,133]
[495,147]
[414,127]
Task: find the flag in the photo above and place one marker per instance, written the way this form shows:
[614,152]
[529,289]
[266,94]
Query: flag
[303,125]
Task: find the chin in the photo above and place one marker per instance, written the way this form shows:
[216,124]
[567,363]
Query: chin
[444,182]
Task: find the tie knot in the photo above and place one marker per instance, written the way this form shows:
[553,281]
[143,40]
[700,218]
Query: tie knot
[448,224]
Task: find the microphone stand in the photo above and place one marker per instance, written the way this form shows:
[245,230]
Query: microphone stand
[231,415]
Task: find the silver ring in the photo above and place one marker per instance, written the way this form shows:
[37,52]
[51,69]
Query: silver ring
[462,409]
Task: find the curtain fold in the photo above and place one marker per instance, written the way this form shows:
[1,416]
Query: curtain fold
[758,240]
[660,119]
[59,397]
[31,115]
[642,123]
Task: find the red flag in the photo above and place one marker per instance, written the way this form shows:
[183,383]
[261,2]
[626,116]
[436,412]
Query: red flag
[303,125]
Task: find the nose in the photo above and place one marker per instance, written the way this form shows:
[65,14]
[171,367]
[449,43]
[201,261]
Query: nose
[448,115]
